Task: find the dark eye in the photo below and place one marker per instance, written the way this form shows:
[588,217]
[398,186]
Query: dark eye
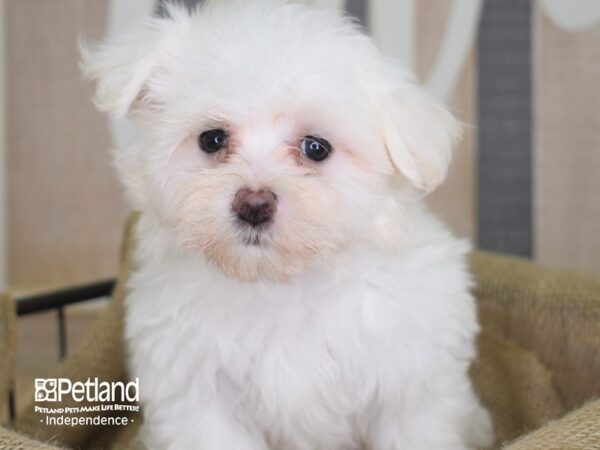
[315,148]
[212,141]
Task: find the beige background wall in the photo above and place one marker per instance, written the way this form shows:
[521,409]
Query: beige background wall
[458,210]
[64,204]
[3,234]
[567,145]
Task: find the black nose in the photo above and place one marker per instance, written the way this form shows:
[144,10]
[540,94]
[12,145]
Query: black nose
[255,207]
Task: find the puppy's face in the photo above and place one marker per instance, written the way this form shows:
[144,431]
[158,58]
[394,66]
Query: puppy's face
[270,136]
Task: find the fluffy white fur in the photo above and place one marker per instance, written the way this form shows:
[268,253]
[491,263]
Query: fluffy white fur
[351,324]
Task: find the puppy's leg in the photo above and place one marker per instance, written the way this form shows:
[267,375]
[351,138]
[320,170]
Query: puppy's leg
[416,431]
[203,426]
[480,432]
[454,421]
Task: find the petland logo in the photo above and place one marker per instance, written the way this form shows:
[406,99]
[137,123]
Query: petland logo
[101,403]
[92,390]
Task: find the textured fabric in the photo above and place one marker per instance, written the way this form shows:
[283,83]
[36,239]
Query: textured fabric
[515,386]
[11,440]
[8,344]
[553,313]
[579,430]
[538,358]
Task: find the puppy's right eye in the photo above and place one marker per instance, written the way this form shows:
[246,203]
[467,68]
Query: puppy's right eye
[315,148]
[212,141]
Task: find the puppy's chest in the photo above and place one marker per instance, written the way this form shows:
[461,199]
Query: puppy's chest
[290,371]
[281,348]
[254,345]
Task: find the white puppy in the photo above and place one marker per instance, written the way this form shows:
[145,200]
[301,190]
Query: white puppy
[292,292]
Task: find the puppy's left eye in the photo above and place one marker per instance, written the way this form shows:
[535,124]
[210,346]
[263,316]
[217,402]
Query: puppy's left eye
[212,141]
[315,148]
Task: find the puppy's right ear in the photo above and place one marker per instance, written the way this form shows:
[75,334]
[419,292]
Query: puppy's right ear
[419,134]
[123,68]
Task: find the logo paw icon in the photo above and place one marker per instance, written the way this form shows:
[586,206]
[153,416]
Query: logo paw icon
[45,389]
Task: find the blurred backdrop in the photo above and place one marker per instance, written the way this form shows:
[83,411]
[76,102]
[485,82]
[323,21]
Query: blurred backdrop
[523,75]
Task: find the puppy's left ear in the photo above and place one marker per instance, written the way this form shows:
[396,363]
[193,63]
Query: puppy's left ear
[125,68]
[419,134]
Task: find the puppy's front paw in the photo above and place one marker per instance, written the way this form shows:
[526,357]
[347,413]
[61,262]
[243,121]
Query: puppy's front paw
[201,436]
[481,430]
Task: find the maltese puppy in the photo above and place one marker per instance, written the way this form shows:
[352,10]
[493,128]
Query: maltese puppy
[291,290]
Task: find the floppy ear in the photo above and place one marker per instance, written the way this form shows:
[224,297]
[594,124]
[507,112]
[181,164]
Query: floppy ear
[123,67]
[419,134]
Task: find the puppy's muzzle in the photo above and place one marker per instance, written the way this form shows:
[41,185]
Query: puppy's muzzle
[255,207]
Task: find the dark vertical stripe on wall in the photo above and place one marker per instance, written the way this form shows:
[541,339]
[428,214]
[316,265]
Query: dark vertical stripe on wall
[360,10]
[356,8]
[189,3]
[505,127]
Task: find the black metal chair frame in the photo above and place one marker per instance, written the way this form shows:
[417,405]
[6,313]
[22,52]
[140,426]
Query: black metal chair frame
[58,300]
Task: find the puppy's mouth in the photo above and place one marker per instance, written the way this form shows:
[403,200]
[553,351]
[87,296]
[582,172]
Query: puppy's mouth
[253,241]
[254,236]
